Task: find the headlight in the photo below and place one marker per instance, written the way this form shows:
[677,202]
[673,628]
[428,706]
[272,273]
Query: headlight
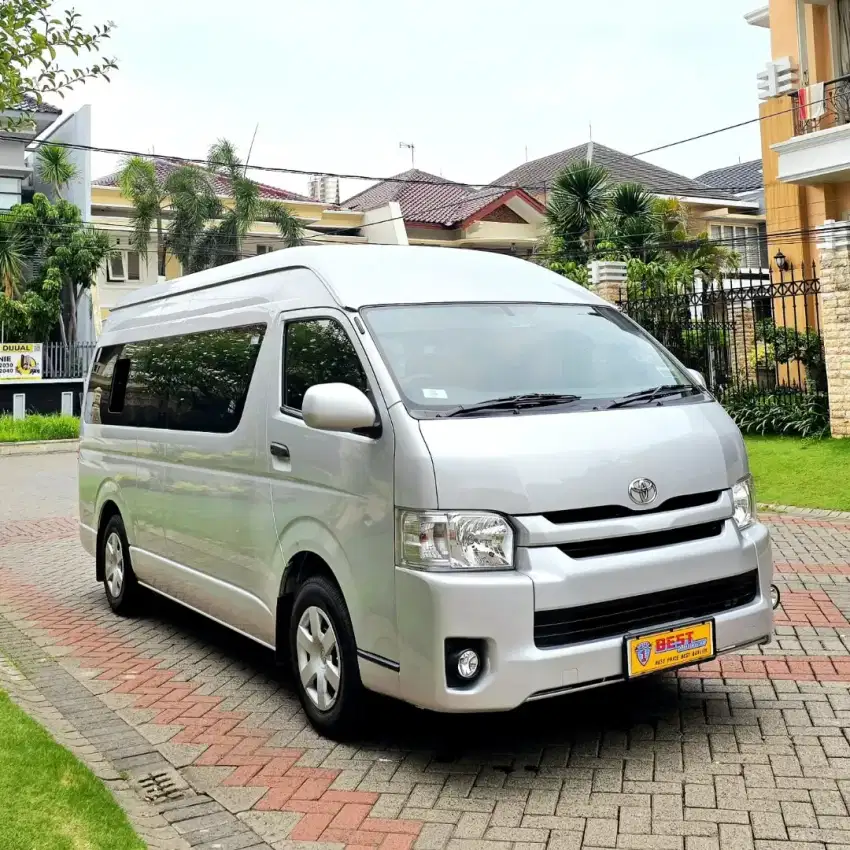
[456,540]
[743,499]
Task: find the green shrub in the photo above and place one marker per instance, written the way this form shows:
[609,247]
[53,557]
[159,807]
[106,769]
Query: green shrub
[788,412]
[37,427]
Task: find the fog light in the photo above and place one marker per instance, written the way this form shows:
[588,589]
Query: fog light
[774,596]
[467,664]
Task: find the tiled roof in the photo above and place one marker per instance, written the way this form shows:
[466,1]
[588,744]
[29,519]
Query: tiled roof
[164,167]
[30,105]
[540,174]
[430,200]
[742,177]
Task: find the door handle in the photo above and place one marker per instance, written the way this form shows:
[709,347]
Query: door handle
[279,450]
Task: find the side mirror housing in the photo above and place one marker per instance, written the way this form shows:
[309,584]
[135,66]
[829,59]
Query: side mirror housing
[697,376]
[337,407]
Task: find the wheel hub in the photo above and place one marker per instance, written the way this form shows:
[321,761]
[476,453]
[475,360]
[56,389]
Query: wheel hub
[113,564]
[318,658]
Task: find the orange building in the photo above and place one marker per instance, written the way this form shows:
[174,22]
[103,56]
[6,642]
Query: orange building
[805,126]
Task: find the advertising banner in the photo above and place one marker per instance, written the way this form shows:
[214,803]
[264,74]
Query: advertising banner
[20,361]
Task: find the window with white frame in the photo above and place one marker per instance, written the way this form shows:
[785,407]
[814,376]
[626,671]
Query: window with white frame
[10,192]
[745,241]
[264,249]
[123,266]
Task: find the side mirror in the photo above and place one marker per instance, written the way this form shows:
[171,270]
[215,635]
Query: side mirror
[337,407]
[697,376]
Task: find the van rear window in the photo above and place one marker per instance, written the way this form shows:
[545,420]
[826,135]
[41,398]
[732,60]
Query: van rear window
[191,382]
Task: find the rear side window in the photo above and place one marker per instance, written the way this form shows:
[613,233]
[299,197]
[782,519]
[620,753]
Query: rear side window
[318,351]
[193,382]
[100,384]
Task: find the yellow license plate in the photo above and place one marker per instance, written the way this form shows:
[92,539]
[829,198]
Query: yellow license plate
[655,651]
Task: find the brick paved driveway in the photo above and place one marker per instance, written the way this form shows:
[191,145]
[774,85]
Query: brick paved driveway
[748,751]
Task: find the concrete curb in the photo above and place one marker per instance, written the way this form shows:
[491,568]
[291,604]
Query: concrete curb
[39,447]
[812,513]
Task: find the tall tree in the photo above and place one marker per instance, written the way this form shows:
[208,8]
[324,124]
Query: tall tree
[33,37]
[578,203]
[140,184]
[204,229]
[54,167]
[12,260]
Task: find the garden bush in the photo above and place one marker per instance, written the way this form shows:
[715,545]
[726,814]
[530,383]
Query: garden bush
[783,411]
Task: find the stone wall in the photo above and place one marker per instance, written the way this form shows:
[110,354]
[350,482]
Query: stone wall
[835,322]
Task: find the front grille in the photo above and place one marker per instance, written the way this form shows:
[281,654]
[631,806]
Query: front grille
[602,512]
[566,626]
[636,542]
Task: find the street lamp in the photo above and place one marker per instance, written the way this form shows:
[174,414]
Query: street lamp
[781,261]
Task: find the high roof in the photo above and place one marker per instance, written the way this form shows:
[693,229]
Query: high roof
[741,177]
[165,167]
[539,174]
[430,199]
[363,275]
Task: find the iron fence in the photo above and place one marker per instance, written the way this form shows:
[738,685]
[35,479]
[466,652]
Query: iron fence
[758,332]
[67,361]
[815,111]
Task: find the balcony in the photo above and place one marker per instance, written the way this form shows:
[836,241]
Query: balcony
[819,151]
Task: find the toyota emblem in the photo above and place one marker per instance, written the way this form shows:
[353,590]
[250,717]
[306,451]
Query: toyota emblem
[642,491]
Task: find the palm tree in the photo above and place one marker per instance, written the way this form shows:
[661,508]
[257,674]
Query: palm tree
[140,183]
[12,259]
[631,220]
[55,167]
[578,203]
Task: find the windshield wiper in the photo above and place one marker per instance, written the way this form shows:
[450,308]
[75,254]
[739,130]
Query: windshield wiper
[652,393]
[514,402]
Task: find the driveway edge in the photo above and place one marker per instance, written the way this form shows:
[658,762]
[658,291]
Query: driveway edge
[38,447]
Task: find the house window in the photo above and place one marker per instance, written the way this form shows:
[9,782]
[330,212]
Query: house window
[123,266]
[10,192]
[744,241]
[264,249]
[115,267]
[133,265]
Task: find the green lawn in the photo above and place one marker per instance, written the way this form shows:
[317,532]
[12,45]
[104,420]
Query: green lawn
[790,471]
[38,428]
[49,800]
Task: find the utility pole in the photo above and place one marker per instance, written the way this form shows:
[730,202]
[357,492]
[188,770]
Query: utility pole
[412,148]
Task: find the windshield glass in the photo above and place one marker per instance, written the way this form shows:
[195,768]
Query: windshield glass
[443,356]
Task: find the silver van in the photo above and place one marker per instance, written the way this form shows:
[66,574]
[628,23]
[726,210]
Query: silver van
[448,476]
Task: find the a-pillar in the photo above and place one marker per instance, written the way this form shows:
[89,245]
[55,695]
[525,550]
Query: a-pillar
[835,320]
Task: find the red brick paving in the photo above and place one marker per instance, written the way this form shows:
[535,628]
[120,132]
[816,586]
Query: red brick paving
[38,530]
[328,815]
[809,608]
[809,668]
[791,519]
[812,569]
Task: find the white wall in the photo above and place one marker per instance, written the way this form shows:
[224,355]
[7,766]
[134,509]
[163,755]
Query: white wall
[385,225]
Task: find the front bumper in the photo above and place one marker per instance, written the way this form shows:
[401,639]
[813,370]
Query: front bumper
[498,608]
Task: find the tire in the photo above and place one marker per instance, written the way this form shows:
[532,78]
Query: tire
[327,674]
[119,580]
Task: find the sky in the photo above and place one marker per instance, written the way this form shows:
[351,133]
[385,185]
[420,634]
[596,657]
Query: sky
[336,86]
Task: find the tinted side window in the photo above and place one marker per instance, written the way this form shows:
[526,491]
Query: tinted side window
[318,351]
[194,382]
[100,384]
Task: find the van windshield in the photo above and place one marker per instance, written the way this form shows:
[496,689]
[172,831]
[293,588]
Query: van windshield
[445,356]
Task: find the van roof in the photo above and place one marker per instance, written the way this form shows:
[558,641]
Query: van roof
[363,275]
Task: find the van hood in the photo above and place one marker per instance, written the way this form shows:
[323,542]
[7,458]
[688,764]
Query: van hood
[532,463]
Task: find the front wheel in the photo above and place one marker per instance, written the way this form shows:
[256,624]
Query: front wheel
[324,658]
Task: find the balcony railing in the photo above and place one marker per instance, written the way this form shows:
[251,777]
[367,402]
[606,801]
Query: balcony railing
[832,110]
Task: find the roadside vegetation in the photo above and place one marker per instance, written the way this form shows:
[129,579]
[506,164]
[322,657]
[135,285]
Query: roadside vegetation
[38,427]
[48,799]
[802,473]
